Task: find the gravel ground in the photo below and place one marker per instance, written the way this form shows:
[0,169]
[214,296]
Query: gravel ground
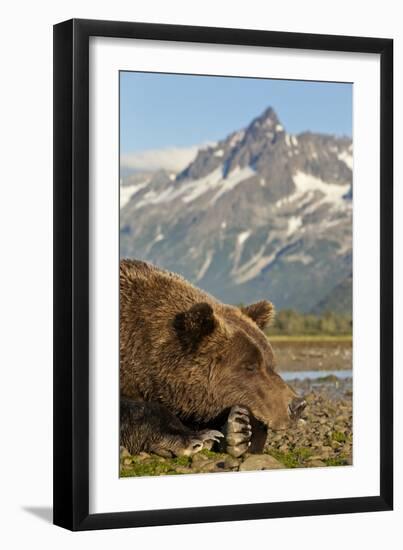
[323,439]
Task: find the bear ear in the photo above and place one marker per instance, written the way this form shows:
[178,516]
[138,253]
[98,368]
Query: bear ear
[193,325]
[262,313]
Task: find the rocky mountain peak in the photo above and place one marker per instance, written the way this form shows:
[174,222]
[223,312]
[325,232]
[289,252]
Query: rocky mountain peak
[241,148]
[267,120]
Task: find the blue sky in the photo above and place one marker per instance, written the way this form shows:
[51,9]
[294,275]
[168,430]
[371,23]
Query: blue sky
[174,112]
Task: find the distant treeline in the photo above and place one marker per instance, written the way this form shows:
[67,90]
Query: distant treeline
[290,322]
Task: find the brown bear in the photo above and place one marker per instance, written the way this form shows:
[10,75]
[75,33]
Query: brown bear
[190,364]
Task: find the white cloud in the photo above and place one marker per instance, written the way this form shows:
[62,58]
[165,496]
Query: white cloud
[170,158]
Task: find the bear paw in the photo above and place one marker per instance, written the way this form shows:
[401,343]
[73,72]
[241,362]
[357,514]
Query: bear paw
[201,440]
[238,432]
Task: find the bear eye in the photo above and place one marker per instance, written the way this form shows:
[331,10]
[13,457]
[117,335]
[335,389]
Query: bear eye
[250,367]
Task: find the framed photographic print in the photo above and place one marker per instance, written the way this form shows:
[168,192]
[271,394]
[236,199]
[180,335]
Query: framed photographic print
[223,319]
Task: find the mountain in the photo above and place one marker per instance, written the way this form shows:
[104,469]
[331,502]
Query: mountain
[260,214]
[339,299]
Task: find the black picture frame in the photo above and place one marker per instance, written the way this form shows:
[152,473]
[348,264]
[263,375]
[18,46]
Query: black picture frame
[71,274]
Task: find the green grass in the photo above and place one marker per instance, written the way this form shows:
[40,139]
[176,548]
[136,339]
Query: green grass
[210,454]
[157,466]
[153,466]
[298,458]
[340,437]
[292,459]
[336,461]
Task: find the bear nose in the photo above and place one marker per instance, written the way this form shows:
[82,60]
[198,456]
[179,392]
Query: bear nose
[297,405]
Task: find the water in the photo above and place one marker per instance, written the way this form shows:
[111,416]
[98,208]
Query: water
[315,374]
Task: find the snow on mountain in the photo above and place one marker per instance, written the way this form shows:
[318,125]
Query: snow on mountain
[347,157]
[261,213]
[331,193]
[128,191]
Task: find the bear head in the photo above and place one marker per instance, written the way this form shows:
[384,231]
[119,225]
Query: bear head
[230,361]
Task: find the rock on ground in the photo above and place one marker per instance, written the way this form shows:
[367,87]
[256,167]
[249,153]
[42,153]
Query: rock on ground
[260,462]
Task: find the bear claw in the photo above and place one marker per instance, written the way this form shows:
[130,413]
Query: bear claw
[238,431]
[202,440]
[210,435]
